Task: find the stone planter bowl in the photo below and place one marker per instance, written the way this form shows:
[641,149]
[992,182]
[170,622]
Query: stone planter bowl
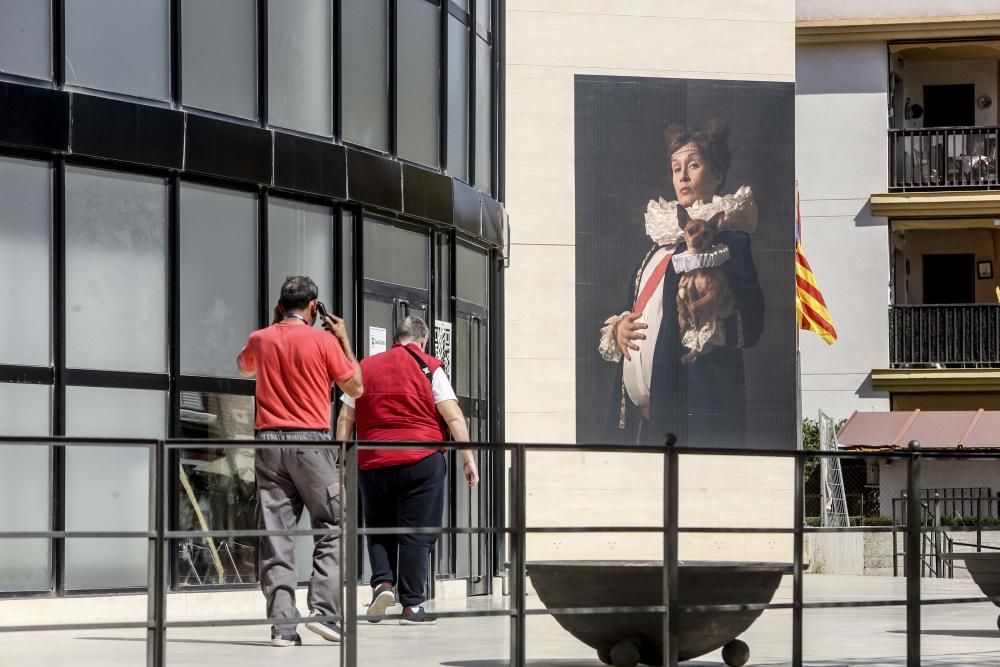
[626,639]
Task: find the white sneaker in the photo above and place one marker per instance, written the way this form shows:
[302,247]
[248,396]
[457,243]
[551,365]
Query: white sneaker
[328,630]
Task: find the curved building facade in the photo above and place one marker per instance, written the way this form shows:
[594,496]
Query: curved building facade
[164,164]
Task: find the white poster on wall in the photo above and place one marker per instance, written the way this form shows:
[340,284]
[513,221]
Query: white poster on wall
[442,344]
[376,340]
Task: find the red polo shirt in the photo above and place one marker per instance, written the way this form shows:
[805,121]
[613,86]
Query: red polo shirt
[295,366]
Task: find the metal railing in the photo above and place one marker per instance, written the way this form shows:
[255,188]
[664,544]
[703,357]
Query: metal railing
[943,158]
[516,531]
[949,336]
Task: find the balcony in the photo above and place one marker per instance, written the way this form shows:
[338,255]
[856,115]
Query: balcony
[944,336]
[946,158]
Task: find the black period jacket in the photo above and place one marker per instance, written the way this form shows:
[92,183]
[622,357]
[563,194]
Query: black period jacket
[704,402]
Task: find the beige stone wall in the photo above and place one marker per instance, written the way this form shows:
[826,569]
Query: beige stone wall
[550,42]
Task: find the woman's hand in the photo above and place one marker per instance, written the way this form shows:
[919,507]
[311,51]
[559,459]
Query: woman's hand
[629,330]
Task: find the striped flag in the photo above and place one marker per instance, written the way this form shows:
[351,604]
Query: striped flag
[810,307]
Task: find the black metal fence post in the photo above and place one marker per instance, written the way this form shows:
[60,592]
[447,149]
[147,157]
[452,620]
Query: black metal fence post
[156,595]
[913,569]
[518,551]
[349,571]
[670,575]
[797,546]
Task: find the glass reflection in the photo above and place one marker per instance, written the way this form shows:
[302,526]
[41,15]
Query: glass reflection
[216,491]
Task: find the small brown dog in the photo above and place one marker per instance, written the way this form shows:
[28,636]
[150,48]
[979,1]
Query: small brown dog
[704,296]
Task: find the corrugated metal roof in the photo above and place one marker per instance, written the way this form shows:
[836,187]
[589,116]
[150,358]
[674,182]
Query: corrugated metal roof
[932,429]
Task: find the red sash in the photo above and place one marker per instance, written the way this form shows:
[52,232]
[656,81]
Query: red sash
[654,279]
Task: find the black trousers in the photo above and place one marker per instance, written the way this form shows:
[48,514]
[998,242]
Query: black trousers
[404,496]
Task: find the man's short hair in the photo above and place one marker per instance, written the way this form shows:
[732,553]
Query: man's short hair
[297,292]
[411,329]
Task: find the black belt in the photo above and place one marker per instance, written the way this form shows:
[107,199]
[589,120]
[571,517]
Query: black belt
[293,430]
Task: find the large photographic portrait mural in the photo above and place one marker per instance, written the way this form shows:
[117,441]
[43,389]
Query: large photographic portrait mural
[685,224]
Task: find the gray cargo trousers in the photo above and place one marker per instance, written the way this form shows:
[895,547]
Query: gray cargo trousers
[288,479]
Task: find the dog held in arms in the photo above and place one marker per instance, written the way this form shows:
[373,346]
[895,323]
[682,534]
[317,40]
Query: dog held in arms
[704,296]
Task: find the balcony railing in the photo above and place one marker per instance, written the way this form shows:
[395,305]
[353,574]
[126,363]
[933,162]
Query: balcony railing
[944,158]
[949,336]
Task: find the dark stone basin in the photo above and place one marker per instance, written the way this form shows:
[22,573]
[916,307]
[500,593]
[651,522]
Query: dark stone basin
[984,568]
[562,584]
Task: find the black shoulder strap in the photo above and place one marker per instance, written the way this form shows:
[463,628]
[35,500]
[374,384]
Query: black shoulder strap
[425,369]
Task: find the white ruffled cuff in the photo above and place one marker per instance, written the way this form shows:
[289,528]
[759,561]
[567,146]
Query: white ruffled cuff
[608,345]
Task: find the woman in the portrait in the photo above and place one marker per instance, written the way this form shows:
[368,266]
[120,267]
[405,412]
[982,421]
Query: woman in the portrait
[694,304]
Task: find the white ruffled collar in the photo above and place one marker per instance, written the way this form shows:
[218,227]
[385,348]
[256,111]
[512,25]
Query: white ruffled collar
[739,208]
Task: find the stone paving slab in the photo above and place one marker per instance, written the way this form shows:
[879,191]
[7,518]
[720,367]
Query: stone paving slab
[954,635]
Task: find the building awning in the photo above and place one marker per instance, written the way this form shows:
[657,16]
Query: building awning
[969,429]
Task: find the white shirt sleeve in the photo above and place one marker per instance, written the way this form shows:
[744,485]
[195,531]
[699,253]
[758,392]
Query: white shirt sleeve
[441,387]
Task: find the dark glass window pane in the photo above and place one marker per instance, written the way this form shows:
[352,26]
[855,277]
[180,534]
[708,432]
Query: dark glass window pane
[365,73]
[377,325]
[395,255]
[25,409]
[218,257]
[217,491]
[484,120]
[300,65]
[107,488]
[26,38]
[471,275]
[418,80]
[219,55]
[116,234]
[458,99]
[25,258]
[299,243]
[484,14]
[119,45]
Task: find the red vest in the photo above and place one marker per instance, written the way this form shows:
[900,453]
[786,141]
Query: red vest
[398,404]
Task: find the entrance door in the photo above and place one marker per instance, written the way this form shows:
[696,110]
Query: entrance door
[951,105]
[396,284]
[473,508]
[949,278]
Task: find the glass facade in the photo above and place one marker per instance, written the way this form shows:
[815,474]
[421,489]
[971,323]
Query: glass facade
[116,234]
[219,45]
[218,247]
[216,148]
[418,80]
[26,38]
[122,46]
[365,74]
[25,258]
[300,65]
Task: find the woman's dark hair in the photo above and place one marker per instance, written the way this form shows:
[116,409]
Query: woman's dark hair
[712,141]
[297,292]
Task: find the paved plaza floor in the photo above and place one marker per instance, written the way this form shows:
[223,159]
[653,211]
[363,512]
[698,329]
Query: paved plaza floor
[952,635]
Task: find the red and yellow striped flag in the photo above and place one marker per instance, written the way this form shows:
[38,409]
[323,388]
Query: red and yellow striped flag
[810,306]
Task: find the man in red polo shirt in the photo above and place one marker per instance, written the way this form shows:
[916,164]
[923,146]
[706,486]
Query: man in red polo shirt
[295,366]
[408,397]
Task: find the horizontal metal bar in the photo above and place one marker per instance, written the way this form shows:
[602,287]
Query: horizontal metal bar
[298,532]
[70,534]
[853,529]
[76,442]
[747,530]
[594,529]
[581,611]
[75,626]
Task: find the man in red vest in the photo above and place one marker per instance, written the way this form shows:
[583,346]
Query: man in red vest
[295,366]
[407,397]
